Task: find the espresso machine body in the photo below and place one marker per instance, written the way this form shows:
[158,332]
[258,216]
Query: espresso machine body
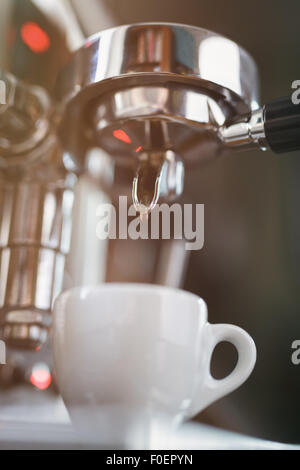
[85,119]
[162,86]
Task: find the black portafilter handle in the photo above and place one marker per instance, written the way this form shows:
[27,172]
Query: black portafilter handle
[282,125]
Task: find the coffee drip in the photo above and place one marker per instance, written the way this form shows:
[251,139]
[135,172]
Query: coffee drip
[159,174]
[146,184]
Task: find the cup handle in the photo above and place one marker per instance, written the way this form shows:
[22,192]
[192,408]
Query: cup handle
[212,389]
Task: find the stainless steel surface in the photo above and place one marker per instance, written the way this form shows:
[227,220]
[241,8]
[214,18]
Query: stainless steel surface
[36,195]
[193,79]
[25,122]
[246,134]
[164,117]
[35,220]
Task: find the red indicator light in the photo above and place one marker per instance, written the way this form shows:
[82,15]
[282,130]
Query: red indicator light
[40,378]
[121,135]
[138,149]
[35,37]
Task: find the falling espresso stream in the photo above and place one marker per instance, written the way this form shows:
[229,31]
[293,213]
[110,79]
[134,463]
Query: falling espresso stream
[146,183]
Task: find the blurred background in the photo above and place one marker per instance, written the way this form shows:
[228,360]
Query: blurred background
[248,271]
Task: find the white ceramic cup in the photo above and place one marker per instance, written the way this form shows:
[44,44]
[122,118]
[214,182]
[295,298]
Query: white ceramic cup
[132,349]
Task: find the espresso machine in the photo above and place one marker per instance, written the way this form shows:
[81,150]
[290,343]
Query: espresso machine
[124,112]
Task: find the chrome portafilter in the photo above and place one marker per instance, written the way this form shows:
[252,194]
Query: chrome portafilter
[147,89]
[154,97]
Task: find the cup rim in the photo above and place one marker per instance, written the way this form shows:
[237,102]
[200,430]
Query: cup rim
[86,289]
